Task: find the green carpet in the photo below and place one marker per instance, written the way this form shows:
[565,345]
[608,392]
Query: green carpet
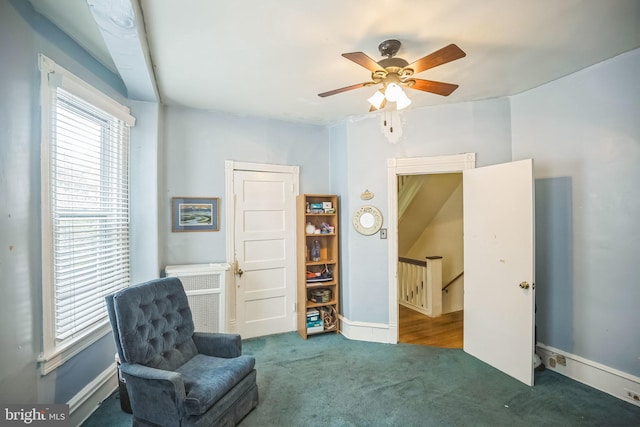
[329,380]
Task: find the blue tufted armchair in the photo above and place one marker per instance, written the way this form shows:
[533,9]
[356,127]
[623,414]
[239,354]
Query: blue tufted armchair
[175,376]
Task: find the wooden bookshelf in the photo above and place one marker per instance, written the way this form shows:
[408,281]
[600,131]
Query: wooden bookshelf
[318,272]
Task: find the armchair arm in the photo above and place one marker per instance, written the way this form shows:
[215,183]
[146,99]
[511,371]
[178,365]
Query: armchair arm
[218,344]
[157,396]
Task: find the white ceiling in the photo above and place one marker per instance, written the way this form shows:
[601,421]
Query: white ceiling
[272,58]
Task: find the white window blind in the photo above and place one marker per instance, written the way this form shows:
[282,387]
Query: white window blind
[90,211]
[85,212]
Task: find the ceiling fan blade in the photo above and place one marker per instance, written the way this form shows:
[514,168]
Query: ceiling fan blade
[446,54]
[363,60]
[439,88]
[344,89]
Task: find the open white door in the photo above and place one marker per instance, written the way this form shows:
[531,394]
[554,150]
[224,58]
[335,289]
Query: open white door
[499,296]
[265,252]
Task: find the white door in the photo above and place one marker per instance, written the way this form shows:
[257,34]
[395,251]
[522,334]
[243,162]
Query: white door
[265,252]
[499,295]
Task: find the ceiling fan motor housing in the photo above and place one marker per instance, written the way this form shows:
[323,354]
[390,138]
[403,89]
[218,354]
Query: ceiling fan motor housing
[391,65]
[389,48]
[393,62]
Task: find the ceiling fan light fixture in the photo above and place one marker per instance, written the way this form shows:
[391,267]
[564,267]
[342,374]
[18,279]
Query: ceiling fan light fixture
[393,92]
[376,99]
[403,102]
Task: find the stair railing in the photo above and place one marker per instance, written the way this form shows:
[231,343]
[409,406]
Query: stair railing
[420,285]
[444,288]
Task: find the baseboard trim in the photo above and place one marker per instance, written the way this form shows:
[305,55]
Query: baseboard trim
[82,405]
[365,331]
[604,378]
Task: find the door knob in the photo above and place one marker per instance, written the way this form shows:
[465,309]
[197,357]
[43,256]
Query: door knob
[524,285]
[237,270]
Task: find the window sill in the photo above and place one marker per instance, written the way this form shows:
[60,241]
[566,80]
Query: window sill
[57,356]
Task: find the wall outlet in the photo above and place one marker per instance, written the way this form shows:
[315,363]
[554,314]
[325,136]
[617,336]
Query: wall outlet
[561,360]
[632,395]
[552,362]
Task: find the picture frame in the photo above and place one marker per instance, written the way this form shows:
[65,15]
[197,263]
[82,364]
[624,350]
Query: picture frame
[195,214]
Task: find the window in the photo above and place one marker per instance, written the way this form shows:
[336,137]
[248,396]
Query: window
[85,210]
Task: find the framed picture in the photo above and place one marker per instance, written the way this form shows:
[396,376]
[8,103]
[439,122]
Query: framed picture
[195,214]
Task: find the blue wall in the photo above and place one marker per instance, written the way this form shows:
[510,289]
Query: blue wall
[196,145]
[583,132]
[339,184]
[23,35]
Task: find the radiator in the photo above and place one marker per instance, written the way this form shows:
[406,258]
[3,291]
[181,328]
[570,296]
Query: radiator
[205,285]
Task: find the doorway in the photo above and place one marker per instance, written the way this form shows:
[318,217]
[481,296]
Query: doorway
[430,237]
[402,167]
[499,294]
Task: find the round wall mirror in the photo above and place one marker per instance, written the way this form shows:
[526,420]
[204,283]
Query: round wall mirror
[367,220]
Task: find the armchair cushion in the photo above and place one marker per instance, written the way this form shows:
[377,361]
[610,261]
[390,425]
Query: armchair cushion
[155,324]
[207,379]
[217,344]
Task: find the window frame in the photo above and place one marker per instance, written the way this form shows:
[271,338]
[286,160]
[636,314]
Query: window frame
[51,74]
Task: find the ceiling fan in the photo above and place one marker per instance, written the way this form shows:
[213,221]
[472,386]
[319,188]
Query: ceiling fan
[395,73]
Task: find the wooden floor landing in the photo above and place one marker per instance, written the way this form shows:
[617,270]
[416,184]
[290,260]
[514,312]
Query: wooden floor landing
[444,331]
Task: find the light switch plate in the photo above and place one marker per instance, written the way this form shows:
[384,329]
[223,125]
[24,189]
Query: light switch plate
[383,233]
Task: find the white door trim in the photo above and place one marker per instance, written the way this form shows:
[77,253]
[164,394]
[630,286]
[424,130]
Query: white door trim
[229,167]
[411,166]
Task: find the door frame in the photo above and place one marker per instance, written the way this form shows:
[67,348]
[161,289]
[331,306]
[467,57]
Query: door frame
[230,166]
[411,166]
